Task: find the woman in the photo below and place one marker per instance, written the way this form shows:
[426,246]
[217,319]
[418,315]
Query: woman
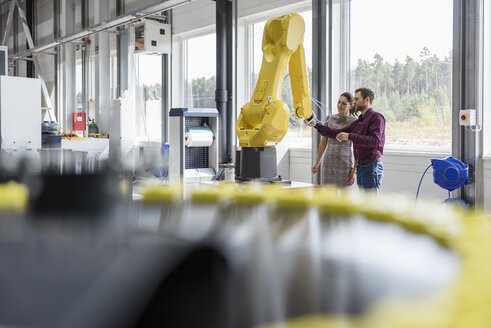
[337,167]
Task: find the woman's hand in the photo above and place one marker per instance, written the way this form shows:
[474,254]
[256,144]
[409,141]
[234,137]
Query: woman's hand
[351,178]
[315,168]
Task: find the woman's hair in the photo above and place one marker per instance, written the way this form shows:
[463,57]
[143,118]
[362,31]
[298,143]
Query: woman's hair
[348,96]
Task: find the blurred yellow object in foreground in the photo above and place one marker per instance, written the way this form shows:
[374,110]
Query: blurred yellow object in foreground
[465,304]
[13,196]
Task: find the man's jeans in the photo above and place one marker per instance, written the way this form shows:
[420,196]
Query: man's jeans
[370,175]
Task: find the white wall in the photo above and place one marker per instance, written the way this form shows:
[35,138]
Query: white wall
[402,173]
[300,163]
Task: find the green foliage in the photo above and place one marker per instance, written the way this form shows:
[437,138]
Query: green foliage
[203,91]
[417,92]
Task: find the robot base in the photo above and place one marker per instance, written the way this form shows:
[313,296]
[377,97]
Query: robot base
[257,163]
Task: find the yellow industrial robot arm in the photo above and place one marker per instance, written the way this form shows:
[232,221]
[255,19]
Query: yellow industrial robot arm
[263,121]
[300,85]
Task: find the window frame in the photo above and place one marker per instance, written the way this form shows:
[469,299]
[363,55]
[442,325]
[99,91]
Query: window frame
[393,149]
[184,58]
[144,138]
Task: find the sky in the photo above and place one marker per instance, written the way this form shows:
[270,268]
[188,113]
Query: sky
[393,28]
[202,60]
[149,69]
[398,28]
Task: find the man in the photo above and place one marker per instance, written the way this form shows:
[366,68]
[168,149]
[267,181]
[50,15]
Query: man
[368,136]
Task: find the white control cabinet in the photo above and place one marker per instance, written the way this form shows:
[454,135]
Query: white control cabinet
[152,37]
[20,113]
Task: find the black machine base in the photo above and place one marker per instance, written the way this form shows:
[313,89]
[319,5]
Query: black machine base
[257,163]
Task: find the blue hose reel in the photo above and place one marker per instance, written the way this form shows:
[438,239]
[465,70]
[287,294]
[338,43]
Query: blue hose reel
[450,173]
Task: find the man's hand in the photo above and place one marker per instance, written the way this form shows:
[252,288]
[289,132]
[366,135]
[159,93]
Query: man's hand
[342,136]
[310,123]
[351,178]
[315,168]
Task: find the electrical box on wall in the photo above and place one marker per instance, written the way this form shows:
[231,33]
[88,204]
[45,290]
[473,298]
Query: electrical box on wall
[152,37]
[467,117]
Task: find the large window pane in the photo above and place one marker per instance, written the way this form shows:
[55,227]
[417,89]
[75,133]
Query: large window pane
[402,51]
[201,72]
[78,84]
[298,135]
[149,107]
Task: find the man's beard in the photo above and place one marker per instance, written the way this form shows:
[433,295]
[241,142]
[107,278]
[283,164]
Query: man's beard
[360,108]
[357,109]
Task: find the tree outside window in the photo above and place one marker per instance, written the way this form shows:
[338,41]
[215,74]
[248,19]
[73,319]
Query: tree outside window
[201,72]
[408,64]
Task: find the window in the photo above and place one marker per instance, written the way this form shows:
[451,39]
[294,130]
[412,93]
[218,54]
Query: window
[78,85]
[149,99]
[298,135]
[402,51]
[200,74]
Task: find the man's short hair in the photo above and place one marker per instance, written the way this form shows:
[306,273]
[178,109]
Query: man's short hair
[365,92]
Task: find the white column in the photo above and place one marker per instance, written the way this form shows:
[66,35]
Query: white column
[67,67]
[102,62]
